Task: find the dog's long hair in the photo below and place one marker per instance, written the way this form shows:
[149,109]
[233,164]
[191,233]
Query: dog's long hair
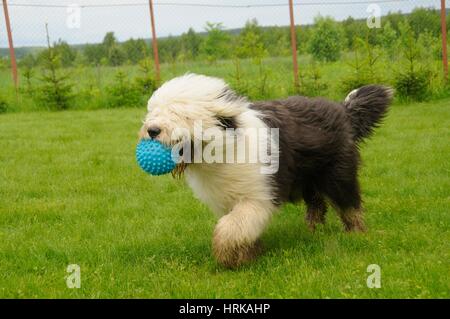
[319,143]
[366,108]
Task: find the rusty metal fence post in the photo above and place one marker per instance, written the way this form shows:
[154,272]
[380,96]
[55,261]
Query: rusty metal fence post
[294,45]
[155,44]
[12,53]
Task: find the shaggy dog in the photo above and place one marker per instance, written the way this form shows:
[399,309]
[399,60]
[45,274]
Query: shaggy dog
[316,149]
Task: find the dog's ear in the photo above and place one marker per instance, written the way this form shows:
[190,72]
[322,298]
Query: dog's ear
[227,122]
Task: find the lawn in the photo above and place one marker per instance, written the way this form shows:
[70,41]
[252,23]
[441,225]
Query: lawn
[71,193]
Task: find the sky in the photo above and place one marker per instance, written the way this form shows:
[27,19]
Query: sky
[70,21]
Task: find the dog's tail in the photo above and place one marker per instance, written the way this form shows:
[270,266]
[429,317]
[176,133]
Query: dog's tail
[366,108]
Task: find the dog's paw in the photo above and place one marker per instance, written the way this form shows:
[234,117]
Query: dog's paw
[353,220]
[313,218]
[234,256]
[231,249]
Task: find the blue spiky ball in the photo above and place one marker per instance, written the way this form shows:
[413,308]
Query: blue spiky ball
[154,157]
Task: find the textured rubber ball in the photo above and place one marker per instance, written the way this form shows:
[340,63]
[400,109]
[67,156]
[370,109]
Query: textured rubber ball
[154,157]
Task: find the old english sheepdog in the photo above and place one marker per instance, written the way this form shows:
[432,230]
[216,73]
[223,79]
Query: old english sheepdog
[315,152]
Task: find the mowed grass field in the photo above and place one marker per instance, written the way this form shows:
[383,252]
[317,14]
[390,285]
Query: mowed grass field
[71,193]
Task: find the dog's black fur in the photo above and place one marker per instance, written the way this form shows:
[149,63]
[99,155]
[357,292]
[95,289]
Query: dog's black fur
[319,154]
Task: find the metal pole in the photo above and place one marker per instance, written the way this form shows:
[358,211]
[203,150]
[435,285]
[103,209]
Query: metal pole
[294,44]
[11,46]
[444,40]
[155,44]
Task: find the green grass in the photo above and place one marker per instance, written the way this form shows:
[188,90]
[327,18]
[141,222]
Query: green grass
[71,192]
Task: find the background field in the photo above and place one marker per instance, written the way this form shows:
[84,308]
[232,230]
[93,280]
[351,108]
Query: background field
[71,192]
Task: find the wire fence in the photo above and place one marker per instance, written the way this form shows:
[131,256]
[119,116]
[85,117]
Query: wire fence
[82,22]
[88,21]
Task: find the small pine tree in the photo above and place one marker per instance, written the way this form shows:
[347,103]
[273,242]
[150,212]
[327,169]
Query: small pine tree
[28,74]
[145,82]
[240,85]
[250,45]
[327,39]
[311,83]
[215,46]
[412,80]
[363,65]
[388,39]
[56,89]
[122,93]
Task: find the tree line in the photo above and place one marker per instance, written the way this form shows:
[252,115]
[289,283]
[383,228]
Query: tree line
[325,40]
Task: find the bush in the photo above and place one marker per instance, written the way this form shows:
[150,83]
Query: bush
[412,85]
[4,63]
[3,105]
[122,93]
[327,40]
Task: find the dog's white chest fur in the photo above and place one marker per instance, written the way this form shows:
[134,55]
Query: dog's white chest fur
[222,186]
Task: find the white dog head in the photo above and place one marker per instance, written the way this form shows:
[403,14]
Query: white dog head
[182,103]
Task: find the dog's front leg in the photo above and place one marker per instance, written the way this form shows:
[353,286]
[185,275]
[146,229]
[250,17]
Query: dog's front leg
[235,240]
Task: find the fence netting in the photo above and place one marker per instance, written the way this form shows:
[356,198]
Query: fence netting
[80,22]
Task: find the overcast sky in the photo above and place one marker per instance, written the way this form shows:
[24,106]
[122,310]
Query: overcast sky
[28,17]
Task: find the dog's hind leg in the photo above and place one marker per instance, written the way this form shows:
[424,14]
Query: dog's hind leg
[346,198]
[316,207]
[235,240]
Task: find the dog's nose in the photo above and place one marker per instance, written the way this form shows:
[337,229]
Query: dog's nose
[153,131]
